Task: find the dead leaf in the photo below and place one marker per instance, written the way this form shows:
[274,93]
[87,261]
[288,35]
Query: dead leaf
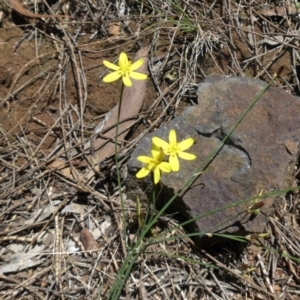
[60,166]
[272,41]
[279,11]
[20,265]
[88,240]
[20,260]
[113,29]
[42,213]
[73,208]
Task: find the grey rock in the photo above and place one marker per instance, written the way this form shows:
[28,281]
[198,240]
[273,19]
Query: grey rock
[260,155]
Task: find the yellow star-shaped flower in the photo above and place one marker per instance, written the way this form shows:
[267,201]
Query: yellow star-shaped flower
[125,69]
[174,149]
[154,163]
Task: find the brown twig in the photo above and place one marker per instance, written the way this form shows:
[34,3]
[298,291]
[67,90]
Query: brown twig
[17,6]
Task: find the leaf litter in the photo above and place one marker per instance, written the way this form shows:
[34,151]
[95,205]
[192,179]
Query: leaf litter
[52,191]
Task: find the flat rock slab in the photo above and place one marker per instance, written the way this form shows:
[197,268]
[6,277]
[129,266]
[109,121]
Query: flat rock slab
[260,155]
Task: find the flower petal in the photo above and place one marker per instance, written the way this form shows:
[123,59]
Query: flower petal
[172,137]
[137,75]
[156,175]
[155,154]
[155,148]
[165,167]
[158,156]
[143,172]
[113,76]
[126,80]
[186,144]
[158,142]
[187,156]
[174,162]
[136,64]
[123,61]
[144,159]
[110,65]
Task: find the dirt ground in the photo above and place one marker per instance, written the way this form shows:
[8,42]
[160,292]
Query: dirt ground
[53,100]
[31,95]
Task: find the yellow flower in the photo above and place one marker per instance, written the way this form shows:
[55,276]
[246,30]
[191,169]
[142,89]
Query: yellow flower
[174,149]
[154,163]
[125,69]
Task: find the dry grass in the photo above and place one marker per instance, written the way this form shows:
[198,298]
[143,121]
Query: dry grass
[48,198]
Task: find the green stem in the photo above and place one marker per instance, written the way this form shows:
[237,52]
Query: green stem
[132,255]
[117,161]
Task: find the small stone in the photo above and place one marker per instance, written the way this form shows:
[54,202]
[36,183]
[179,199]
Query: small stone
[260,155]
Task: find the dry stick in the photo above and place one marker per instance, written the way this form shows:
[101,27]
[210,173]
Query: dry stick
[17,6]
[215,62]
[187,65]
[82,185]
[25,166]
[77,185]
[81,98]
[65,145]
[6,137]
[153,107]
[21,228]
[178,91]
[34,160]
[274,263]
[218,283]
[48,84]
[200,280]
[114,261]
[260,34]
[58,255]
[265,68]
[7,164]
[12,208]
[60,206]
[265,274]
[38,276]
[255,42]
[156,83]
[281,235]
[79,244]
[21,284]
[50,130]
[228,9]
[262,16]
[26,176]
[12,94]
[121,231]
[294,62]
[15,238]
[284,289]
[242,278]
[246,42]
[284,43]
[32,80]
[82,84]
